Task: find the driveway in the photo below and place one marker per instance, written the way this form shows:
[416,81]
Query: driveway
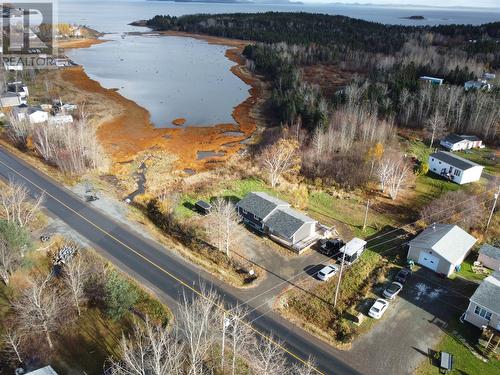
[413,324]
[282,266]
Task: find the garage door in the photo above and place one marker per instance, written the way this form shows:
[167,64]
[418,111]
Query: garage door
[428,261]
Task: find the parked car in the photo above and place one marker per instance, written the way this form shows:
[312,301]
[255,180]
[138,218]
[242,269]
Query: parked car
[327,272]
[378,308]
[393,290]
[403,275]
[330,247]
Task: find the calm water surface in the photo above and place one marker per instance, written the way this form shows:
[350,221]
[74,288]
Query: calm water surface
[182,77]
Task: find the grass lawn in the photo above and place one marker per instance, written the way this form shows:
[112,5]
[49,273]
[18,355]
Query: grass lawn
[431,186]
[464,361]
[484,157]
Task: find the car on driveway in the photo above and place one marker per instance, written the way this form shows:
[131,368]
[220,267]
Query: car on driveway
[327,272]
[393,290]
[331,247]
[378,308]
[403,275]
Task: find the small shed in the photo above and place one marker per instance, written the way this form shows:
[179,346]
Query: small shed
[489,256]
[352,250]
[203,207]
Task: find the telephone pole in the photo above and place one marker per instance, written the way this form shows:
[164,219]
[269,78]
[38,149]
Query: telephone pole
[493,208]
[366,214]
[340,279]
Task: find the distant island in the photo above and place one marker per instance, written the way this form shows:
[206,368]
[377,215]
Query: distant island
[414,18]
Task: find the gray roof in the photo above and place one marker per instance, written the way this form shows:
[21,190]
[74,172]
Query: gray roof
[490,251]
[454,160]
[453,138]
[488,293]
[448,240]
[260,204]
[47,370]
[287,221]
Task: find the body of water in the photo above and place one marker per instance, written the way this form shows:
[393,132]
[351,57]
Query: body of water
[175,77]
[172,77]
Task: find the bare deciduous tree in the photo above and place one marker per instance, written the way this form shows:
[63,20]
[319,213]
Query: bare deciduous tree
[281,158]
[16,205]
[13,339]
[152,350]
[240,334]
[268,357]
[196,328]
[435,126]
[222,224]
[39,309]
[74,278]
[393,172]
[10,259]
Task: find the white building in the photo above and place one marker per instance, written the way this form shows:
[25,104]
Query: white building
[477,85]
[10,99]
[34,115]
[18,88]
[454,168]
[454,142]
[60,119]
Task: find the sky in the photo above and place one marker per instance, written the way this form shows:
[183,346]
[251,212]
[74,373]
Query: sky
[442,3]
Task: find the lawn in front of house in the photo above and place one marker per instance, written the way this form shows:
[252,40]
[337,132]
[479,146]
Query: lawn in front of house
[464,361]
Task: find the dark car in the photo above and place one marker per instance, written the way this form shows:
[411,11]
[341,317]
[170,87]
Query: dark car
[330,247]
[403,275]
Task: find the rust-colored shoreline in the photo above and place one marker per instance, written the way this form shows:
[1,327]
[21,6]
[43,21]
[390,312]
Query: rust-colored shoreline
[131,131]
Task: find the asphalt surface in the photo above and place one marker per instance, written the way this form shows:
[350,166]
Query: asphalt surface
[151,263]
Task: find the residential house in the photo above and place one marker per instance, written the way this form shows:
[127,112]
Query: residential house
[477,85]
[484,304]
[13,65]
[441,248]
[454,142]
[454,168]
[283,224]
[489,76]
[60,119]
[10,99]
[32,114]
[18,88]
[47,370]
[489,256]
[432,80]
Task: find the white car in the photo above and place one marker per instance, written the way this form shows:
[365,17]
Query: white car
[326,272]
[378,308]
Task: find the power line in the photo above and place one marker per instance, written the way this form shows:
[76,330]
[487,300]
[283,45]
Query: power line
[371,240]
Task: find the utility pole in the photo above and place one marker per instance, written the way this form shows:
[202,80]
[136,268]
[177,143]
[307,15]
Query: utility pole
[493,208]
[366,214]
[340,279]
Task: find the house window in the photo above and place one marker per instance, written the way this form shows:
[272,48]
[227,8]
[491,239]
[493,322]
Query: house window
[457,172]
[243,211]
[432,159]
[439,162]
[483,313]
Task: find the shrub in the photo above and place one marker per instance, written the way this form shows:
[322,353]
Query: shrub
[422,168]
[121,295]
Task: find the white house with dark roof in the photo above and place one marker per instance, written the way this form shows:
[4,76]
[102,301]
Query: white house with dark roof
[276,218]
[441,247]
[455,142]
[489,256]
[484,304]
[454,168]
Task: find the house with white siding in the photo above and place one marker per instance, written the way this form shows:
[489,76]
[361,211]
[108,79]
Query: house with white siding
[454,142]
[484,304]
[454,168]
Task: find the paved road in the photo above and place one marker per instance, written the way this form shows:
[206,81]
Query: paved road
[150,262]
